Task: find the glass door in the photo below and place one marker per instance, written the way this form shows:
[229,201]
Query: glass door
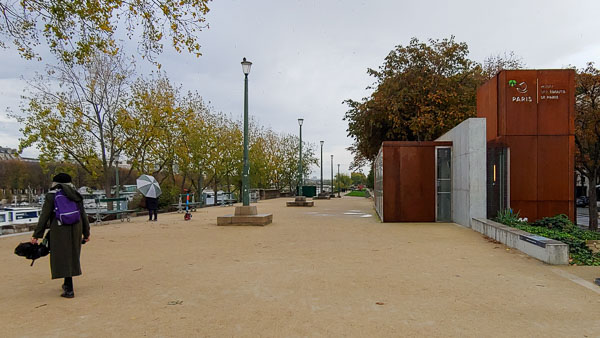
[443,160]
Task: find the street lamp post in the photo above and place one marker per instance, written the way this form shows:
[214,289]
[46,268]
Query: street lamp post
[338,180]
[322,166]
[245,214]
[332,176]
[246,172]
[300,121]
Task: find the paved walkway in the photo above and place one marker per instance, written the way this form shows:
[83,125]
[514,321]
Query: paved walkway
[330,270]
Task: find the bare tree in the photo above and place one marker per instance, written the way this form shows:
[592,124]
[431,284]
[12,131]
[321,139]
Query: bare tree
[72,113]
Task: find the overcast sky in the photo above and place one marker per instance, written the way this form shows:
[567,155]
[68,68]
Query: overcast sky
[309,56]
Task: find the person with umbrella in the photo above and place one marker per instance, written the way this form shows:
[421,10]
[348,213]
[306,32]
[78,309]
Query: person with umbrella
[150,189]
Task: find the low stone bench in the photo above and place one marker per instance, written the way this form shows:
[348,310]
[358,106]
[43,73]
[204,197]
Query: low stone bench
[245,215]
[300,201]
[547,250]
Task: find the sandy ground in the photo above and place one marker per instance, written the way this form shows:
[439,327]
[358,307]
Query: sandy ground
[330,270]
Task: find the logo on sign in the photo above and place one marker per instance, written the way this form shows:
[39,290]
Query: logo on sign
[521,89]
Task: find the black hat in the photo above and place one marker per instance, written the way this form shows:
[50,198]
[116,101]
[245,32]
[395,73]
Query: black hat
[62,178]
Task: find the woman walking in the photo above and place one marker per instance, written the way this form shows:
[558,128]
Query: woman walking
[66,234]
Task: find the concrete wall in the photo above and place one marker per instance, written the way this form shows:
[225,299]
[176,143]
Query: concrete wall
[468,170]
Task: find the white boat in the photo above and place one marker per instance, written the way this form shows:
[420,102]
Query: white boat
[222,197]
[16,219]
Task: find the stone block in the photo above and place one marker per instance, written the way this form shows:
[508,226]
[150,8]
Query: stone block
[300,204]
[245,210]
[258,220]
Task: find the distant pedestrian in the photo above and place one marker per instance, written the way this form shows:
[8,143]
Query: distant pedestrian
[152,206]
[64,214]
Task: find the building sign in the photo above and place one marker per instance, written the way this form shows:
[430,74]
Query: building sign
[551,92]
[547,92]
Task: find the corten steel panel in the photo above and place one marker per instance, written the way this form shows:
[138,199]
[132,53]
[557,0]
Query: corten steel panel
[520,102]
[391,182]
[525,209]
[556,101]
[487,107]
[417,184]
[501,81]
[409,181]
[553,168]
[552,208]
[540,172]
[523,167]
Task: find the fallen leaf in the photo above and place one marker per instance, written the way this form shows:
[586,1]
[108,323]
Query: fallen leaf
[379,303]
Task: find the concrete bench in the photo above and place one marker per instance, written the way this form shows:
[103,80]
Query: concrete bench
[547,250]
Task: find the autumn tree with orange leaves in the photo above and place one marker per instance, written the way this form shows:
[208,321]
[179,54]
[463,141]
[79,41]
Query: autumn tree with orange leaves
[421,91]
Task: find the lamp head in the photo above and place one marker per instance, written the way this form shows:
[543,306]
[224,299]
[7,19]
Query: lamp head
[300,121]
[322,143]
[246,66]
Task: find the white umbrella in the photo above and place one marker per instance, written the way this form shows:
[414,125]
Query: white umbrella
[148,186]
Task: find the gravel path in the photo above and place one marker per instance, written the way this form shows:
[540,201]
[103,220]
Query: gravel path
[330,270]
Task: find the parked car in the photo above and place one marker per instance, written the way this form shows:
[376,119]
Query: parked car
[582,201]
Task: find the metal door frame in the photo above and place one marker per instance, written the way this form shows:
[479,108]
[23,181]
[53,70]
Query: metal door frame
[436,182]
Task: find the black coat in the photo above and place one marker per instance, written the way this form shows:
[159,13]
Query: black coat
[151,203]
[65,240]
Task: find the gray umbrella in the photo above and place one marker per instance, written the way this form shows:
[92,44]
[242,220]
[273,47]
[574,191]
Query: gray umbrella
[148,186]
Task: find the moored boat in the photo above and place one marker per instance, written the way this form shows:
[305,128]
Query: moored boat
[18,219]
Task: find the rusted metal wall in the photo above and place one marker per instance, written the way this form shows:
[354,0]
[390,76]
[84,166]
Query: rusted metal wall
[534,111]
[487,103]
[409,181]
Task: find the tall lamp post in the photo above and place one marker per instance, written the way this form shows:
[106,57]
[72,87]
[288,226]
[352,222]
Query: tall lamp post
[245,214]
[338,180]
[300,121]
[246,172]
[322,166]
[333,195]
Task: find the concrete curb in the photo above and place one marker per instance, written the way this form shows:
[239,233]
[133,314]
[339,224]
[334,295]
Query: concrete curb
[547,250]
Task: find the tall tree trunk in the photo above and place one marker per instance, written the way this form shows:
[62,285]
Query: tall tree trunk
[215,190]
[593,209]
[108,187]
[183,181]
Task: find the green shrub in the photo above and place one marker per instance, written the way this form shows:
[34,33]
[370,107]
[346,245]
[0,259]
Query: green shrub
[135,202]
[170,194]
[560,222]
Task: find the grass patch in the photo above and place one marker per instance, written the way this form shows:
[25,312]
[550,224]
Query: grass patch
[357,193]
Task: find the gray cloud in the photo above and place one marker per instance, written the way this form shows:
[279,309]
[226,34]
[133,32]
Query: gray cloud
[311,55]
